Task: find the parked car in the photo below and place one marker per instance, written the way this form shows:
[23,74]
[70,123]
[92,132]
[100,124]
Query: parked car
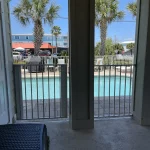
[45,53]
[55,55]
[24,54]
[17,56]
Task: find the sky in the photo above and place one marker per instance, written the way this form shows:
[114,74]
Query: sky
[118,31]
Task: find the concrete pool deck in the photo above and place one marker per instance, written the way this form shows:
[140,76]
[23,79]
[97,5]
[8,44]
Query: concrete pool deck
[58,74]
[110,107]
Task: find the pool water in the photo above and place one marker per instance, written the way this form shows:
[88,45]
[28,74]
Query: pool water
[42,89]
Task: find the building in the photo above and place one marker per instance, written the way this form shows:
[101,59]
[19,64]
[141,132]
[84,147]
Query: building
[62,40]
[128,52]
[125,43]
[30,46]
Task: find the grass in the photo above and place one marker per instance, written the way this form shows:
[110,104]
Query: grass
[19,62]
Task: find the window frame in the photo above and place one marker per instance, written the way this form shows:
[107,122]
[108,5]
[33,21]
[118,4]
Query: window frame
[16,36]
[26,37]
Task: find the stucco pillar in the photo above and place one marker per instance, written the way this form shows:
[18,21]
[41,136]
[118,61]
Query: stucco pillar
[141,105]
[63,102]
[81,33]
[6,34]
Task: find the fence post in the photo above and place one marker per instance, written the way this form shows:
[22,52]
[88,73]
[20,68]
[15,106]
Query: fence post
[18,91]
[63,102]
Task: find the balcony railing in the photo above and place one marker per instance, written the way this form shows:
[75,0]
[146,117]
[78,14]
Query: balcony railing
[113,90]
[113,86]
[42,90]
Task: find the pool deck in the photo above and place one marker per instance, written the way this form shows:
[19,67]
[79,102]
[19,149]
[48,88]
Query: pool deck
[26,74]
[110,106]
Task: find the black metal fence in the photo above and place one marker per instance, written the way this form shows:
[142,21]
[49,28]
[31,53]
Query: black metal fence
[41,93]
[113,90]
[42,90]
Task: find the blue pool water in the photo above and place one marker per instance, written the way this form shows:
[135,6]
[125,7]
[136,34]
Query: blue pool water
[45,90]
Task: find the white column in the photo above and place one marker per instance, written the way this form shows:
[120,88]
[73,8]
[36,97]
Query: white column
[141,105]
[81,33]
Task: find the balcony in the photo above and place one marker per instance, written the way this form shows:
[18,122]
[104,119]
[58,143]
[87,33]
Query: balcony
[114,127]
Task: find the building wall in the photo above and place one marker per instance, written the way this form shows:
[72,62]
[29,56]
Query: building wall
[62,40]
[125,44]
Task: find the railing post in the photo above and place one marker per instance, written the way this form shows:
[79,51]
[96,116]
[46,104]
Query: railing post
[63,102]
[18,91]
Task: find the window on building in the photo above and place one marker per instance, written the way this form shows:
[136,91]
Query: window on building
[65,44]
[48,37]
[27,37]
[65,37]
[17,37]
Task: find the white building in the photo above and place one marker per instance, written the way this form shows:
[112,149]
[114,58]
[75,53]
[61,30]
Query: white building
[125,43]
[62,40]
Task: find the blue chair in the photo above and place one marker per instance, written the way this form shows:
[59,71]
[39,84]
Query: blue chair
[23,137]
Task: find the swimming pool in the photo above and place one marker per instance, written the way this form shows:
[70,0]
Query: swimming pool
[42,89]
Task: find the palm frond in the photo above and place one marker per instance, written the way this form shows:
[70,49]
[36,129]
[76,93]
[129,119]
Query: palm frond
[52,13]
[56,30]
[24,20]
[118,16]
[39,9]
[132,7]
[97,21]
[107,10]
[21,15]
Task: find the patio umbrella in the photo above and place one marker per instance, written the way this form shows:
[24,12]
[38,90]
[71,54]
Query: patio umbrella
[19,49]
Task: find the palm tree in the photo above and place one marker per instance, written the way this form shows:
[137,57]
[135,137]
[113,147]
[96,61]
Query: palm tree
[56,31]
[52,14]
[35,11]
[132,7]
[106,12]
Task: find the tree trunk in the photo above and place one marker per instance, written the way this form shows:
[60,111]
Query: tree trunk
[56,44]
[52,45]
[52,39]
[38,35]
[103,30]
